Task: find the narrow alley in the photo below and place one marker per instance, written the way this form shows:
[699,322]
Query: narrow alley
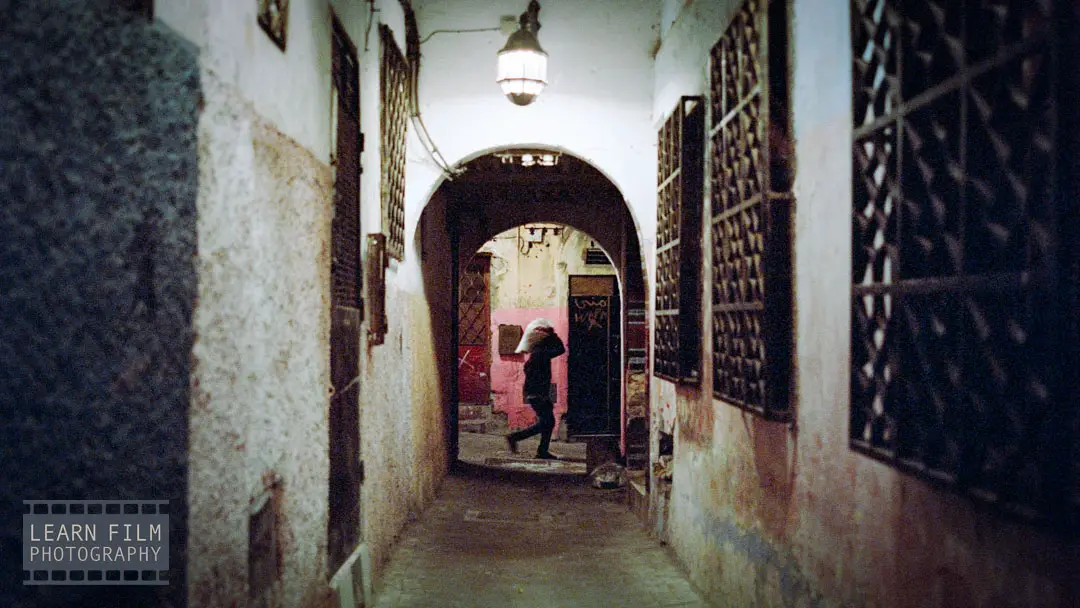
[523,540]
[347,303]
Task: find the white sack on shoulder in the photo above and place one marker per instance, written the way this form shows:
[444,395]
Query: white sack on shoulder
[532,336]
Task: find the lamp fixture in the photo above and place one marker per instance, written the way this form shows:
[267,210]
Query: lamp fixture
[522,66]
[529,158]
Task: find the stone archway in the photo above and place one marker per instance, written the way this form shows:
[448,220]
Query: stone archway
[497,192]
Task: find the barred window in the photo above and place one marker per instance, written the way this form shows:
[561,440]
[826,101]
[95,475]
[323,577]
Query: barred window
[346,272]
[678,238]
[960,317]
[394,116]
[750,182]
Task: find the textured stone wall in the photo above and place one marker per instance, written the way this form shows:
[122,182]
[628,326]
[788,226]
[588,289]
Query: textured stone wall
[260,398]
[766,514]
[97,273]
[260,402]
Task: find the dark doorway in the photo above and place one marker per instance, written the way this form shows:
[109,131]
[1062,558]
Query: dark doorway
[346,306]
[594,356]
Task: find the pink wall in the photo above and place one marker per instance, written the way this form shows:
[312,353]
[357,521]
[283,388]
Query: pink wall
[508,373]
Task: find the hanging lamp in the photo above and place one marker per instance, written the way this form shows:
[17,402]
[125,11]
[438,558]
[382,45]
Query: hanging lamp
[522,67]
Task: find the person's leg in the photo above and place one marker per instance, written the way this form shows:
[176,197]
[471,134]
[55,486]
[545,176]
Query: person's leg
[545,413]
[537,427]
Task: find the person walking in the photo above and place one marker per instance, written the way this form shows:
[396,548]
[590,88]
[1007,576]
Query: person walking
[543,345]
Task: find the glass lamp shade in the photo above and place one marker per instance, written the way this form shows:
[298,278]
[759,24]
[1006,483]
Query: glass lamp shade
[522,74]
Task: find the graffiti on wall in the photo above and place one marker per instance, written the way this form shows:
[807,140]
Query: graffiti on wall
[591,313]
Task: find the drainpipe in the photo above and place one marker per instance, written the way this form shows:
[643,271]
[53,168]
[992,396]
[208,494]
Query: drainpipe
[412,56]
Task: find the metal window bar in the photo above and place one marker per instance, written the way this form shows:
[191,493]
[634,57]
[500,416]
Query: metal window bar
[750,179]
[394,116]
[960,275]
[594,256]
[346,266]
[346,273]
[474,309]
[678,249]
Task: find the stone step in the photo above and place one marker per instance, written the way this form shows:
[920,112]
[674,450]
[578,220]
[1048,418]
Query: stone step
[476,418]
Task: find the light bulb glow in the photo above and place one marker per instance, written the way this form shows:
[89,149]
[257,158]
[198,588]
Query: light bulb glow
[522,72]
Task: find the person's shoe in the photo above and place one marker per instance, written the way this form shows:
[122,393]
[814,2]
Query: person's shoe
[511,444]
[547,456]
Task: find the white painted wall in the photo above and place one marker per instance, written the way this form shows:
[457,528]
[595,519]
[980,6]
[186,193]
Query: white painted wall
[669,13]
[682,61]
[597,104]
[291,89]
[262,356]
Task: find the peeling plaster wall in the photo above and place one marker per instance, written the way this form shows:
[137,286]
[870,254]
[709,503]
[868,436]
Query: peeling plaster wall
[404,387]
[406,393]
[765,515]
[290,89]
[260,405]
[98,116]
[261,399]
[525,285]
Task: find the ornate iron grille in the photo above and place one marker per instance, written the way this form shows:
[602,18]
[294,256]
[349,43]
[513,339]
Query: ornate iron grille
[394,107]
[958,304]
[751,211]
[678,249]
[347,308]
[473,311]
[345,269]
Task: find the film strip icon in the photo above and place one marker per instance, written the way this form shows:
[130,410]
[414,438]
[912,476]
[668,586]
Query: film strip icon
[96,542]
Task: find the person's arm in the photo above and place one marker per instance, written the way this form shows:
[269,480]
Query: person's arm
[553,345]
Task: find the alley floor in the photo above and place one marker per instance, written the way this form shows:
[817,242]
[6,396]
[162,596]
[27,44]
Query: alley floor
[508,539]
[490,450]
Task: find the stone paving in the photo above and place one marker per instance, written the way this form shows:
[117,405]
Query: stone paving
[497,538]
[491,450]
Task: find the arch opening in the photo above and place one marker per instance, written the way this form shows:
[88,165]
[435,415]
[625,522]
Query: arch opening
[568,202]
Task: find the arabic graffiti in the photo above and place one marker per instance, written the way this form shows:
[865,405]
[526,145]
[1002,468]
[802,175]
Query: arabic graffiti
[591,313]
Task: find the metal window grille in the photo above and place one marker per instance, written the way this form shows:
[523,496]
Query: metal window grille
[960,259]
[345,474]
[474,311]
[346,268]
[594,256]
[394,108]
[678,243]
[751,202]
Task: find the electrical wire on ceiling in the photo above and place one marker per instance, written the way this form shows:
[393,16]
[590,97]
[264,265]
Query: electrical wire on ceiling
[466,31]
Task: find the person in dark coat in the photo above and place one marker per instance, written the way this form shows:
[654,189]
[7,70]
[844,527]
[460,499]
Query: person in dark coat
[543,345]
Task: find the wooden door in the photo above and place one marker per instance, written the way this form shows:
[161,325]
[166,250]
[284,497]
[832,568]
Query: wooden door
[593,388]
[346,310]
[474,332]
